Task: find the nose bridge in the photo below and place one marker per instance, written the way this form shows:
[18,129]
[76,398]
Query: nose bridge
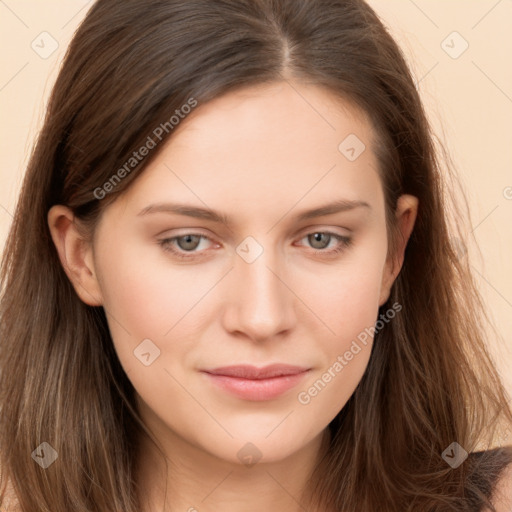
[261,305]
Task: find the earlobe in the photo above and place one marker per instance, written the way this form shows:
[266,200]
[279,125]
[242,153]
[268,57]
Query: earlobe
[405,214]
[75,254]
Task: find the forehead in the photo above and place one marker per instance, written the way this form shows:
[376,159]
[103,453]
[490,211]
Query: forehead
[281,115]
[263,147]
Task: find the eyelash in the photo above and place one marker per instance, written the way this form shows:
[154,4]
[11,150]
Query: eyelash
[166,244]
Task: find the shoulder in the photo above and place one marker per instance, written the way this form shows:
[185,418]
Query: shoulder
[502,493]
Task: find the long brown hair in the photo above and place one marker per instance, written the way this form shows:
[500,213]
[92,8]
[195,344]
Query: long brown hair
[131,64]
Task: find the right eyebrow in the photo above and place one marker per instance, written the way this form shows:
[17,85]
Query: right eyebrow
[337,206]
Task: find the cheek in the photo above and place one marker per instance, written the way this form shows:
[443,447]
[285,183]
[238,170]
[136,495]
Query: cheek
[345,357]
[349,301]
[145,293]
[351,311]
[346,297]
[146,298]
[348,304]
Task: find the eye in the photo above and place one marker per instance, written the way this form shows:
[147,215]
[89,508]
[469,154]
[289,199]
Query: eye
[183,244]
[320,241]
[187,246]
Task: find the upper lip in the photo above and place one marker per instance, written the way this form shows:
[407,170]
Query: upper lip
[252,372]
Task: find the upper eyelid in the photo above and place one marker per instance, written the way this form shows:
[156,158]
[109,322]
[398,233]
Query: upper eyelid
[301,235]
[302,232]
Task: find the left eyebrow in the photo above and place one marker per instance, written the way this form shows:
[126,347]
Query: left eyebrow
[341,205]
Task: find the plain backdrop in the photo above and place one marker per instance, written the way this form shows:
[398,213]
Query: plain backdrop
[459,51]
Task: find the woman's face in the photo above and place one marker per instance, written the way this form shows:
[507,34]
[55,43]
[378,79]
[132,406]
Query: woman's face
[258,289]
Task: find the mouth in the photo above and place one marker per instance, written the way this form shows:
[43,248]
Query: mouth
[256,384]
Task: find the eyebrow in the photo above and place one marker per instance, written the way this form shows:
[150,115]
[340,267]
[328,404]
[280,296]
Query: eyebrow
[340,205]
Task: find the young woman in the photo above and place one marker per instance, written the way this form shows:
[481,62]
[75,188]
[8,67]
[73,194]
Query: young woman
[229,283]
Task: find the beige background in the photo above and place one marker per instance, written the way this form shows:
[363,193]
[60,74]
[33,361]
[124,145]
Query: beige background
[468,96]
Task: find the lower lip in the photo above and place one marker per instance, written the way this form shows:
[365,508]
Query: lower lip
[257,390]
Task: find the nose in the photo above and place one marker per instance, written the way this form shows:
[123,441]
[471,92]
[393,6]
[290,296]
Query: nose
[260,303]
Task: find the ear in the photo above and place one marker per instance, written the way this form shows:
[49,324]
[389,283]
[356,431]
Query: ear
[75,254]
[405,213]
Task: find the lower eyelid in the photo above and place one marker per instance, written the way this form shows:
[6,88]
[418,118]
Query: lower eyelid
[343,242]
[172,239]
[342,239]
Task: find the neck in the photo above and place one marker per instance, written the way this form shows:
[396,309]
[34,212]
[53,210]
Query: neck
[188,478]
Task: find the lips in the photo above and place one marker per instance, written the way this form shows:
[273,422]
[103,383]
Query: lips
[254,373]
[256,384]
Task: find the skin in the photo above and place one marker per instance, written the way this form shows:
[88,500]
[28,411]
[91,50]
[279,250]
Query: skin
[261,156]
